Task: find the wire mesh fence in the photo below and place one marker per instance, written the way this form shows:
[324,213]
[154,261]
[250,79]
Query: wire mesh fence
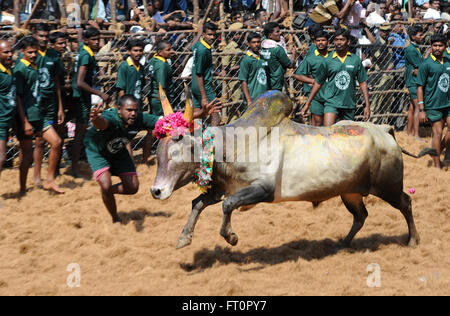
[388,95]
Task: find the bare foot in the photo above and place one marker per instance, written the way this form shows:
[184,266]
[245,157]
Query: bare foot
[52,186]
[38,182]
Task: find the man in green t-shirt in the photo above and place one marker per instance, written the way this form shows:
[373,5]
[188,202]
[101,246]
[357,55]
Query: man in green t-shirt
[106,151]
[131,80]
[50,105]
[161,73]
[31,122]
[275,54]
[413,59]
[433,81]
[83,81]
[338,76]
[130,75]
[252,71]
[307,71]
[202,74]
[7,97]
[58,42]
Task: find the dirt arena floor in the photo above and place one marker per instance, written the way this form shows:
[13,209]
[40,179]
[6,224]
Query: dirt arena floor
[283,249]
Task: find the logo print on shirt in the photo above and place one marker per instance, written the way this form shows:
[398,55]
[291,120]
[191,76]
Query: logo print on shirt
[116,145]
[261,77]
[342,80]
[443,82]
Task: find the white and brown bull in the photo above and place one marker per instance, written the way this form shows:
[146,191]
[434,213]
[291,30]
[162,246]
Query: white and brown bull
[350,160]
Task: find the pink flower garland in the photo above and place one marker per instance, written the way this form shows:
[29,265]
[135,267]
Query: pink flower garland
[170,125]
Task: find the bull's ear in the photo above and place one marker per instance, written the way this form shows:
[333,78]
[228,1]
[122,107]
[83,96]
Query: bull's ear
[167,108]
[189,111]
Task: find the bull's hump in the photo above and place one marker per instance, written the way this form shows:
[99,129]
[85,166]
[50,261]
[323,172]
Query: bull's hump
[266,111]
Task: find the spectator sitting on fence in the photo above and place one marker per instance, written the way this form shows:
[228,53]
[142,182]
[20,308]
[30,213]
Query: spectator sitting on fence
[434,11]
[375,14]
[261,18]
[382,59]
[6,11]
[445,13]
[327,10]
[249,20]
[236,17]
[230,63]
[169,6]
[398,38]
[423,4]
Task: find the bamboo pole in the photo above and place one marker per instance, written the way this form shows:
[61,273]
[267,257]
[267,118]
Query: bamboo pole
[17,13]
[62,8]
[207,11]
[113,11]
[222,27]
[33,11]
[196,11]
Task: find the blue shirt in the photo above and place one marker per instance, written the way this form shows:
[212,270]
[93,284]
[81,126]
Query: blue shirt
[158,18]
[399,53]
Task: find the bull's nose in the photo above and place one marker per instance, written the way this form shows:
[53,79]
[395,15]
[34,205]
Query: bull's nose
[156,192]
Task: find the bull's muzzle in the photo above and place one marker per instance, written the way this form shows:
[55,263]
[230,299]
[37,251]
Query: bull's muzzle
[156,192]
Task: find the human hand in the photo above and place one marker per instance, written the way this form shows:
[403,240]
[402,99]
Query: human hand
[214,107]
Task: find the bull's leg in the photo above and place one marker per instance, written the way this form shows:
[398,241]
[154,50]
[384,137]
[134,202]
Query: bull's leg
[198,205]
[253,194]
[402,202]
[355,204]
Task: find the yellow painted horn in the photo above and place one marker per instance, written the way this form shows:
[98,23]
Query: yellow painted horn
[189,111]
[167,108]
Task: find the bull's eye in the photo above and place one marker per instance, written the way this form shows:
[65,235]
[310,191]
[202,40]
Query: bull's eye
[175,154]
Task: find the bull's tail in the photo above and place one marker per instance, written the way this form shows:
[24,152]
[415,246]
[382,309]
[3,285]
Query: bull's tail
[424,152]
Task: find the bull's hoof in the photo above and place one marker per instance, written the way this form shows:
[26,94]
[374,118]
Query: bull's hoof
[413,243]
[232,239]
[183,242]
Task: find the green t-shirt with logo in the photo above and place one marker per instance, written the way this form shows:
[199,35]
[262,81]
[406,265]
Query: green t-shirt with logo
[309,67]
[253,71]
[86,58]
[131,79]
[7,96]
[111,142]
[48,68]
[277,62]
[203,67]
[338,79]
[413,59]
[434,77]
[161,73]
[27,86]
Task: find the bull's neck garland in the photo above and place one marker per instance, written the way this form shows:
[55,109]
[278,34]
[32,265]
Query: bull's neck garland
[203,177]
[175,124]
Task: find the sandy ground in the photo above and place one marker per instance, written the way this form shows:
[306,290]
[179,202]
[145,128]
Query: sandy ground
[284,249]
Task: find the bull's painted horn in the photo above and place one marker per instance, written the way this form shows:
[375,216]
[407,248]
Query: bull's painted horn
[189,111]
[167,108]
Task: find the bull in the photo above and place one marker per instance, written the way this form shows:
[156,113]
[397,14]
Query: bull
[349,159]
